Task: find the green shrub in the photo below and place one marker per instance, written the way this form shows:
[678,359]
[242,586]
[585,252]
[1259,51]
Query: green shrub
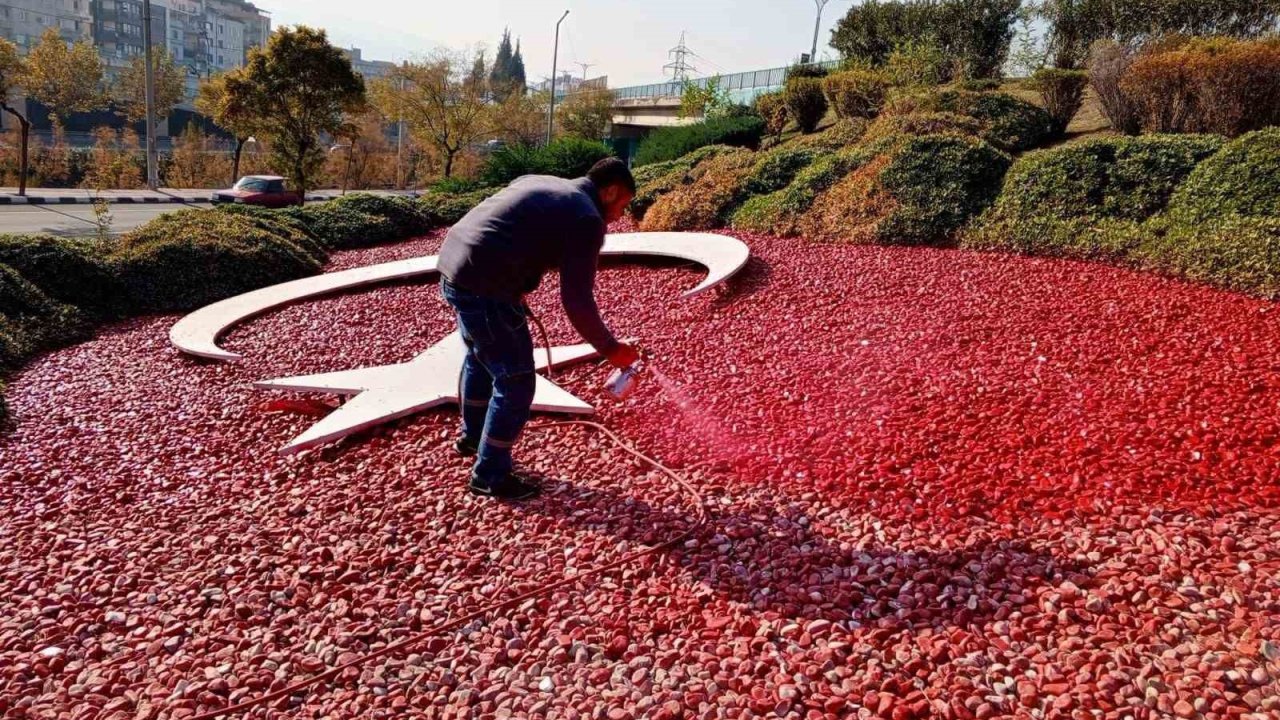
[774,170]
[925,123]
[772,109]
[454,186]
[917,64]
[807,70]
[1062,92]
[32,322]
[444,209]
[915,191]
[837,137]
[1010,124]
[778,213]
[654,181]
[805,102]
[285,223]
[68,270]
[856,93]
[1086,200]
[566,157]
[673,142]
[407,218]
[1013,125]
[716,186]
[189,259]
[1236,252]
[338,227]
[979,85]
[1243,178]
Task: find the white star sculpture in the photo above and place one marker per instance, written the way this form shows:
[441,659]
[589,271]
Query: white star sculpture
[388,392]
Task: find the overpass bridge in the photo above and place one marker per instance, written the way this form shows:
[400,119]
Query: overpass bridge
[638,109]
[644,107]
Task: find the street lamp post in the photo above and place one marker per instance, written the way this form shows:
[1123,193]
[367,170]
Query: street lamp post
[817,25]
[555,55]
[153,173]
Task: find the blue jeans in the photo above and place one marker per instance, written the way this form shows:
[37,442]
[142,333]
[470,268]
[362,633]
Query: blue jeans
[497,377]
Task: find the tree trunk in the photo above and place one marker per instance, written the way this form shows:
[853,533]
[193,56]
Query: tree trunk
[235,161]
[25,124]
[448,163]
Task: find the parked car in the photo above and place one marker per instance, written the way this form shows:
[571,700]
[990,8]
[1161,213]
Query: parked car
[265,190]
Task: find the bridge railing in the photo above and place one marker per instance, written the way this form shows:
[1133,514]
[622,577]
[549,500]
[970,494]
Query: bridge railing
[749,83]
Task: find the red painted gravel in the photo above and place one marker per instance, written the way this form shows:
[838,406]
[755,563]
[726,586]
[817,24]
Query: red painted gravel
[940,485]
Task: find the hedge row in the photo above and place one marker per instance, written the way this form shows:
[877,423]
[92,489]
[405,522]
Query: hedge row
[1189,206]
[53,290]
[675,142]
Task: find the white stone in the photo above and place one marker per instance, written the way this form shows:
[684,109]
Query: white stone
[197,333]
[385,393]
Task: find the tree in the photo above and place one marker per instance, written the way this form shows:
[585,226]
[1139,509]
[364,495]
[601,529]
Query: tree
[437,102]
[975,33]
[507,76]
[519,82]
[66,78]
[12,75]
[231,110]
[703,100]
[587,113]
[298,87]
[522,119]
[131,87]
[1075,25]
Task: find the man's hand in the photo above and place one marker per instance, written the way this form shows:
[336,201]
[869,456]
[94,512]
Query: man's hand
[623,356]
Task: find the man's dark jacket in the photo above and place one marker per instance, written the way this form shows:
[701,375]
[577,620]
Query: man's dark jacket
[503,247]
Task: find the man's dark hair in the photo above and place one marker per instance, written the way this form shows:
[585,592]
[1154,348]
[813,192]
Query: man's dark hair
[612,171]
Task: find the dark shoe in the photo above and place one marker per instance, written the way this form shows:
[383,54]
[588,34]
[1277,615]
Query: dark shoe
[512,487]
[465,447]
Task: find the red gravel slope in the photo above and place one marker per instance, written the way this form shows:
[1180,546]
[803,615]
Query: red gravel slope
[939,484]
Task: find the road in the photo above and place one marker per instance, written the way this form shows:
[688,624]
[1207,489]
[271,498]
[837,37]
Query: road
[78,219]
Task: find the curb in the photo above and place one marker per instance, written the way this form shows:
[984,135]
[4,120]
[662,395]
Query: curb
[76,200]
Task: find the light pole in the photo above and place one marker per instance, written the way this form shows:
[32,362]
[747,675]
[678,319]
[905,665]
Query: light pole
[153,173]
[817,25]
[555,55]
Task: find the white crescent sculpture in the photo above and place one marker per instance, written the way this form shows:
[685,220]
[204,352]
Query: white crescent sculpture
[198,333]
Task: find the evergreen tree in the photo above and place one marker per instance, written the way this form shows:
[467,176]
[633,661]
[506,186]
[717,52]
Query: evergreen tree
[476,79]
[518,78]
[500,78]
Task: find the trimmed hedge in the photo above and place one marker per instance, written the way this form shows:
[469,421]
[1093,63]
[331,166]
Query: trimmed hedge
[1010,124]
[1243,178]
[32,322]
[1236,252]
[772,108]
[654,181]
[779,212]
[775,169]
[837,137]
[674,142]
[856,93]
[1062,92]
[717,186]
[1083,200]
[567,157]
[406,217]
[925,123]
[443,209]
[806,103]
[188,259]
[916,191]
[68,270]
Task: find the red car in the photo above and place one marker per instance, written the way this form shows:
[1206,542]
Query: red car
[264,190]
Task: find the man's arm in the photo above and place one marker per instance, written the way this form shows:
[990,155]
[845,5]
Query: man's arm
[577,286]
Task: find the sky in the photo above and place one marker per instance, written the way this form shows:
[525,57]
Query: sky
[628,40]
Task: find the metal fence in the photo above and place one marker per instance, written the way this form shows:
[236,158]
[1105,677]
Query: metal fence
[739,85]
